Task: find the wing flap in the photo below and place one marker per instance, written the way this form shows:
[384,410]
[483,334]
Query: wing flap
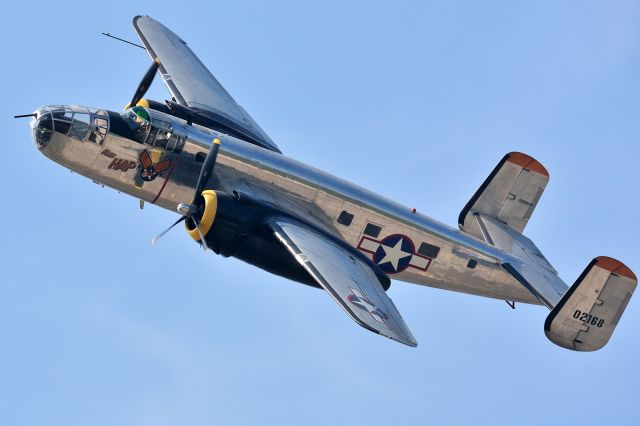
[347,278]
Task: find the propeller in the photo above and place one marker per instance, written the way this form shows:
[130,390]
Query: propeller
[193,210]
[205,171]
[145,82]
[157,237]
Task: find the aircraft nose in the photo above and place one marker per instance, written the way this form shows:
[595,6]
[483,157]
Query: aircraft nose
[41,128]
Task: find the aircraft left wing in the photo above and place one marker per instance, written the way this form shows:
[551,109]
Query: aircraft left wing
[347,278]
[192,84]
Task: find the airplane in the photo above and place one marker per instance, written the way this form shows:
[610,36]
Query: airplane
[239,195]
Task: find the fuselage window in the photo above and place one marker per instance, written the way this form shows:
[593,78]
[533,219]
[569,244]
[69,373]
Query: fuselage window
[80,126]
[62,121]
[153,130]
[345,218]
[429,250]
[99,130]
[472,263]
[163,139]
[80,123]
[179,144]
[151,136]
[372,230]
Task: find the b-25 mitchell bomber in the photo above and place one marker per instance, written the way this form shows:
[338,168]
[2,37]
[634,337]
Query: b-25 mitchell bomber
[202,155]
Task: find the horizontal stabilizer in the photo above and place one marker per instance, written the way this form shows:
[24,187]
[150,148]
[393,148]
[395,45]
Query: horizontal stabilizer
[509,194]
[526,263]
[587,314]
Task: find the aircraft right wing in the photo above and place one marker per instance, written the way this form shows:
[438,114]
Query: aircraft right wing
[192,84]
[346,277]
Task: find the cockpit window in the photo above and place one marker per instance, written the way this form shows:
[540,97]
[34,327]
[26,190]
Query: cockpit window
[99,128]
[62,121]
[153,130]
[80,126]
[141,112]
[80,122]
[138,120]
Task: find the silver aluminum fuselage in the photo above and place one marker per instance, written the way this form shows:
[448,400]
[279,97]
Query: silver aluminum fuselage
[243,167]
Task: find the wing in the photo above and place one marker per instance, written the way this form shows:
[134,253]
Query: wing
[190,82]
[346,277]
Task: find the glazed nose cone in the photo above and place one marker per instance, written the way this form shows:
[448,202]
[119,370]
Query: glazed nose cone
[41,128]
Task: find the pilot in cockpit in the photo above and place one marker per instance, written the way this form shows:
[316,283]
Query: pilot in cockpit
[142,122]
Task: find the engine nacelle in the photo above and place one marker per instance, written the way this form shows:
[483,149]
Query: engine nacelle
[224,222]
[235,225]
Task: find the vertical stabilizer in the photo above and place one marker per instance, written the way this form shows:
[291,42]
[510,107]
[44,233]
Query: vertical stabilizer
[509,194]
[589,312]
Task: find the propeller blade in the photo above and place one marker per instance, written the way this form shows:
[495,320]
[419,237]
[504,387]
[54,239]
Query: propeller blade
[202,241]
[145,83]
[155,239]
[206,170]
[190,210]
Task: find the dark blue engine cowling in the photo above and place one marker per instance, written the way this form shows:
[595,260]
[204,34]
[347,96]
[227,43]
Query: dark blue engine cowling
[240,229]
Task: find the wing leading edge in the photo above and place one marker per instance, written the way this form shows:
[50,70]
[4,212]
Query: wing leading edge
[192,84]
[347,278]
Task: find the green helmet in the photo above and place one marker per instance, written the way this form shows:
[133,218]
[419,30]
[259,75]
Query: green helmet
[142,113]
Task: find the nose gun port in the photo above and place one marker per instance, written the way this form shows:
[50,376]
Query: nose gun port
[41,128]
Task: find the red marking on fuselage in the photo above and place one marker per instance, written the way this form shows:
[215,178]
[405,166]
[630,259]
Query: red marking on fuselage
[166,180]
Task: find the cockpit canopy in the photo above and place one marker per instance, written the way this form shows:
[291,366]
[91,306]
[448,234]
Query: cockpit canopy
[78,122]
[153,128]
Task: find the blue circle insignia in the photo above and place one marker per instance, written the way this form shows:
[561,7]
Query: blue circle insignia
[394,253]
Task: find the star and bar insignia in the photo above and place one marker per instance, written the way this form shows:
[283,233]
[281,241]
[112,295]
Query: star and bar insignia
[394,253]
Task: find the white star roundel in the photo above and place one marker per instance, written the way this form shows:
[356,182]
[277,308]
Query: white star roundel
[394,253]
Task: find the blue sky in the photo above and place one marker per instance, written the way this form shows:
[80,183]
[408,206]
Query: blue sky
[416,100]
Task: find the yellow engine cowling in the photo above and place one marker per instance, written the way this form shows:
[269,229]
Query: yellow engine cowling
[208,216]
[235,221]
[142,102]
